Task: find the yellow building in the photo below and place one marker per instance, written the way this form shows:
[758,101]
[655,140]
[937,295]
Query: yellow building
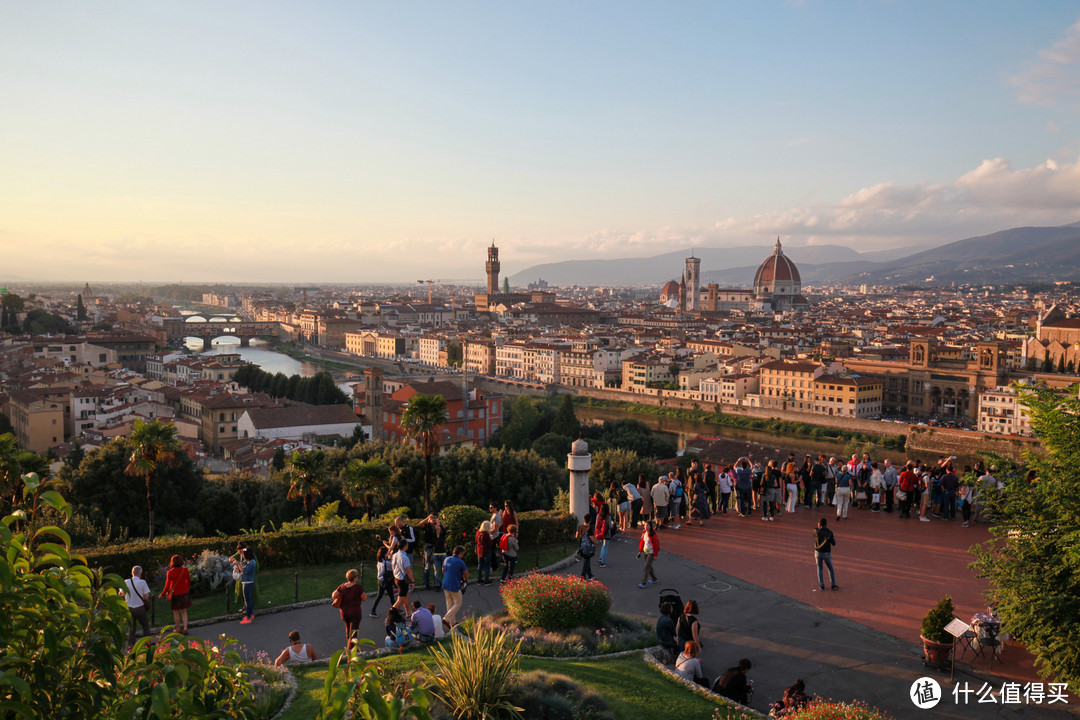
[789,385]
[38,421]
[847,395]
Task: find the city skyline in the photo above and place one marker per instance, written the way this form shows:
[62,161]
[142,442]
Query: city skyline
[385,144]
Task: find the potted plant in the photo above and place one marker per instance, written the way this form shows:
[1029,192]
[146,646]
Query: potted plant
[937,642]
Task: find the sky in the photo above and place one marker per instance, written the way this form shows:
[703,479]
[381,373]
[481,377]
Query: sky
[393,141]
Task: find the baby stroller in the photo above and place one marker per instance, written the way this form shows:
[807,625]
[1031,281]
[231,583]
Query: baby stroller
[670,595]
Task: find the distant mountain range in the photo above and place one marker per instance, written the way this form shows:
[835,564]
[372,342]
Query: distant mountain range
[1017,255]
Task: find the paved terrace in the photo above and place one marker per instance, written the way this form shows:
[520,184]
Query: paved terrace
[756,584]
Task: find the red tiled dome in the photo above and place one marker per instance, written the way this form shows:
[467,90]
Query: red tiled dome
[777,268]
[670,290]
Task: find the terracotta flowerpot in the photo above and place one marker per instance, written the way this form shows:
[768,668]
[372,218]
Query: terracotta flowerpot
[937,654]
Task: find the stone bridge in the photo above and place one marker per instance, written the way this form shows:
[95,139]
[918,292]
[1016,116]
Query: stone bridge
[179,329]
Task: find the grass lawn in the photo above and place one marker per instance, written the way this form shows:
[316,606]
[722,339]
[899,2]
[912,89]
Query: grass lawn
[630,687]
[311,582]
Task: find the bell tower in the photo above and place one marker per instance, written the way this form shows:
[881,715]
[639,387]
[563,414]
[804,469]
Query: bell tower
[492,266]
[692,276]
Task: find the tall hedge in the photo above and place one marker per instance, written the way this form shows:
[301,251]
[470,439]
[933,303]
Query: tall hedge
[319,545]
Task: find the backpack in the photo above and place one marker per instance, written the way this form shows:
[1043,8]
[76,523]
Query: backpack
[504,541]
[588,547]
[678,489]
[609,528]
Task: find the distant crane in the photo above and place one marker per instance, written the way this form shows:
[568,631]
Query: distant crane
[443,280]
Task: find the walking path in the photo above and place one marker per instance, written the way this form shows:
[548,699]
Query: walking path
[757,588]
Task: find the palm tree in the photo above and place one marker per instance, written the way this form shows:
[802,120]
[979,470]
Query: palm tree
[306,474]
[421,421]
[153,445]
[361,481]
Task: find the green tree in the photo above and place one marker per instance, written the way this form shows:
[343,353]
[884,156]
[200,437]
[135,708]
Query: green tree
[1032,560]
[75,456]
[362,481]
[278,461]
[1061,363]
[566,422]
[153,445]
[80,309]
[552,446]
[1047,364]
[455,354]
[617,465]
[523,427]
[307,478]
[420,423]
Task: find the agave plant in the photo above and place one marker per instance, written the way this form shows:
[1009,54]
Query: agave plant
[472,679]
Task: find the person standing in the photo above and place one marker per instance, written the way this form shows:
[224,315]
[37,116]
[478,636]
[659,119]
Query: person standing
[247,581]
[495,531]
[724,485]
[602,532]
[843,491]
[434,550]
[649,543]
[891,481]
[137,596]
[483,553]
[710,486]
[509,546]
[635,505]
[455,574]
[950,486]
[744,487]
[824,542]
[660,496]
[646,500]
[675,487]
[665,630]
[403,578]
[771,491]
[819,479]
[178,590]
[385,572]
[907,484]
[877,487]
[587,547]
[348,598]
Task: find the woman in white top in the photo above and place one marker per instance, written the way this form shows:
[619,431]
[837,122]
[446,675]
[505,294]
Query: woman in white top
[687,664]
[296,652]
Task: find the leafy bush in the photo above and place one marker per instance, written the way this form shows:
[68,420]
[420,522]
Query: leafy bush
[616,634]
[472,678]
[547,696]
[64,638]
[462,522]
[934,622]
[556,602]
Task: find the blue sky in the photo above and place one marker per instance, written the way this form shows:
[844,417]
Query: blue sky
[359,142]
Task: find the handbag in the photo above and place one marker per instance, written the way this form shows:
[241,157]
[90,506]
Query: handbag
[901,495]
[336,601]
[876,498]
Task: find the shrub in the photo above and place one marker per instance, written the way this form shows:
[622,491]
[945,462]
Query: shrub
[209,571]
[472,678]
[556,602]
[616,634]
[547,696]
[462,522]
[540,527]
[934,622]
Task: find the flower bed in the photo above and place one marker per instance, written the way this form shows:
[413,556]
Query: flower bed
[556,602]
[832,710]
[617,633]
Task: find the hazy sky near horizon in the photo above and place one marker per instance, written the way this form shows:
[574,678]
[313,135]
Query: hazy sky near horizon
[363,141]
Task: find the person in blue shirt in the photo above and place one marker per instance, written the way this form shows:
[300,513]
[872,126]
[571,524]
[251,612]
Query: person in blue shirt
[247,580]
[455,576]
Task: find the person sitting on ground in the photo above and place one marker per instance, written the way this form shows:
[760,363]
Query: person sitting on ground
[296,652]
[795,697]
[689,666]
[437,620]
[397,633]
[733,683]
[422,623]
[665,631]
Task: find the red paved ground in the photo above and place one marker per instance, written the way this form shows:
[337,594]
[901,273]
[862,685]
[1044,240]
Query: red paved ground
[890,571]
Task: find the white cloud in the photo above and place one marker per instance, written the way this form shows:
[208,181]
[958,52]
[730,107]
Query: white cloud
[1055,76]
[993,196]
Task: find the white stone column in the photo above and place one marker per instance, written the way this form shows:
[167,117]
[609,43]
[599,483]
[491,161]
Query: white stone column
[579,462]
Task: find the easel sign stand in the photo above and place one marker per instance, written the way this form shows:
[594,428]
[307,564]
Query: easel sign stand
[956,628]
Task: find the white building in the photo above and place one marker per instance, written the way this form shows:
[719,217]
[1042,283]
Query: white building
[1000,412]
[292,423]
